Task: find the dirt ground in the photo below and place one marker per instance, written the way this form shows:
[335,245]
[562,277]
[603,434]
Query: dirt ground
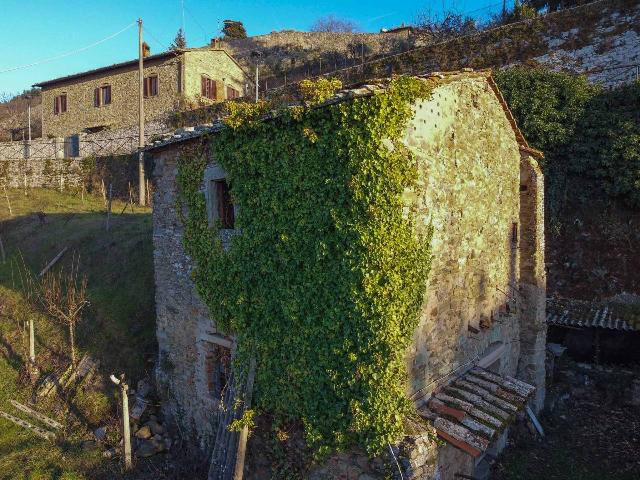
[592,426]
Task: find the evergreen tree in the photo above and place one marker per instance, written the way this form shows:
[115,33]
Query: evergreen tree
[234,29]
[179,42]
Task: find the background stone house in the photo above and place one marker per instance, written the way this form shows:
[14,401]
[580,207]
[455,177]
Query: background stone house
[482,322]
[107,97]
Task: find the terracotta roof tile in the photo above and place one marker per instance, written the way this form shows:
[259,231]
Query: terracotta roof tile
[473,408]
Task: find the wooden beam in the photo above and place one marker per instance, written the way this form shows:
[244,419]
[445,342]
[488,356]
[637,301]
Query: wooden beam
[41,432]
[52,262]
[37,415]
[244,434]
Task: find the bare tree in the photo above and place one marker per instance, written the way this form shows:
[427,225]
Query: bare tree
[64,296]
[333,24]
[440,27]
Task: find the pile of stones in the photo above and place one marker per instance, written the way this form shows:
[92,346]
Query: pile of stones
[151,438]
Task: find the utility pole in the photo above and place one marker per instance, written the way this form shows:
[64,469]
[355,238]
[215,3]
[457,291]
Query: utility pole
[126,429]
[29,119]
[141,175]
[257,54]
[257,84]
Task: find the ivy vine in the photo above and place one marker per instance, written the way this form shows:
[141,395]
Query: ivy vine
[325,282]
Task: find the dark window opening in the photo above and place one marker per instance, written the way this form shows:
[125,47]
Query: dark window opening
[102,96]
[232,93]
[514,233]
[150,86]
[208,87]
[60,104]
[226,213]
[218,369]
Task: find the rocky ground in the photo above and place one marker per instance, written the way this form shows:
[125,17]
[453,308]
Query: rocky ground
[592,426]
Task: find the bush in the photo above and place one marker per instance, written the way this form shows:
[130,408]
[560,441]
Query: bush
[582,128]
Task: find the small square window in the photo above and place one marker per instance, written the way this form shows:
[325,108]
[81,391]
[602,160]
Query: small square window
[217,368]
[150,86]
[102,96]
[60,104]
[232,93]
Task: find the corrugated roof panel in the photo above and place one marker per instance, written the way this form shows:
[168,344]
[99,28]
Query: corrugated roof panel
[583,314]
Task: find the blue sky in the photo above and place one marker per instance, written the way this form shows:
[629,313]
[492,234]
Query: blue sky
[32,30]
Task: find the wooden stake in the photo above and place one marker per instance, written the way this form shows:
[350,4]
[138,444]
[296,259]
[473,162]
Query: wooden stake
[8,202]
[109,207]
[104,192]
[2,255]
[126,429]
[32,343]
[130,198]
[244,433]
[148,193]
[52,262]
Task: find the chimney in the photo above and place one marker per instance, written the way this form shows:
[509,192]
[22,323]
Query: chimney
[146,50]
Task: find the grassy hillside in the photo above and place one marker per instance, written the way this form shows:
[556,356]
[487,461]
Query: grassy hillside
[117,329]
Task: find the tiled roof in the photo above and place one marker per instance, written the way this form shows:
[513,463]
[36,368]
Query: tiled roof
[475,408]
[583,314]
[363,90]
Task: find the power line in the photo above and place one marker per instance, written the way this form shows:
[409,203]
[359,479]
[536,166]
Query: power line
[195,20]
[67,54]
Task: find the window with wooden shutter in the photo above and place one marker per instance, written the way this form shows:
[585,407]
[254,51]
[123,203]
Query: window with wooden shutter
[208,87]
[60,104]
[150,86]
[105,94]
[226,214]
[96,97]
[232,93]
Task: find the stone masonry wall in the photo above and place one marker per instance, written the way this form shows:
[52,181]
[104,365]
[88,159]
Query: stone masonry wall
[178,87]
[61,173]
[533,332]
[123,110]
[183,326]
[220,67]
[469,162]
[470,193]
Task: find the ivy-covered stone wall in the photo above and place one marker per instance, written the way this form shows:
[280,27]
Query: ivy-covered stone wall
[450,165]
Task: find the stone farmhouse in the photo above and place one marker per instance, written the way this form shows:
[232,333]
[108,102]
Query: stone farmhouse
[477,356]
[107,97]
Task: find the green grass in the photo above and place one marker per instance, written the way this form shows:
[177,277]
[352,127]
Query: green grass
[117,329]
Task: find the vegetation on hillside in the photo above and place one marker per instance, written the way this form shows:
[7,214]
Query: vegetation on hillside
[117,328]
[584,129]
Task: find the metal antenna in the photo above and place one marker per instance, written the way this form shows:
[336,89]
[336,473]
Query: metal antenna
[182,6]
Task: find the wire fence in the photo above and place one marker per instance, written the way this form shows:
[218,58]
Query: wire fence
[75,146]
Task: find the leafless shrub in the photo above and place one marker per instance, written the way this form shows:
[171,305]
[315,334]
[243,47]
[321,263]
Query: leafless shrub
[333,24]
[450,24]
[64,296]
